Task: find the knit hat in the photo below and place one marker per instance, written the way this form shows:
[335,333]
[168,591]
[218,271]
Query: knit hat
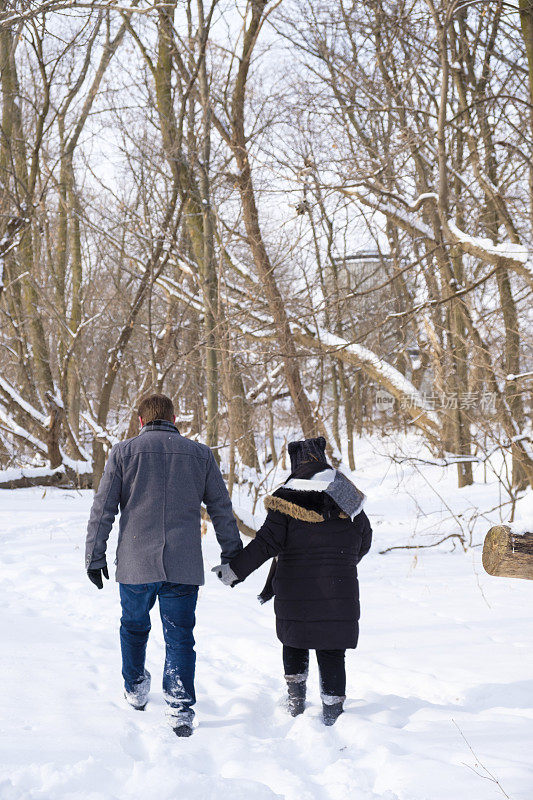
[307,451]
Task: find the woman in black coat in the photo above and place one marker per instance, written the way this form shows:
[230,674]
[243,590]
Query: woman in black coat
[317,532]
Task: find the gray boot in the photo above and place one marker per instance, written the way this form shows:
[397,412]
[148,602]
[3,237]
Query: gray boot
[332,708]
[180,720]
[297,687]
[183,731]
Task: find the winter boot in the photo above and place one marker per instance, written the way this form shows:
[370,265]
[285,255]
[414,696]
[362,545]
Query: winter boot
[332,708]
[180,720]
[133,702]
[138,698]
[183,730]
[296,695]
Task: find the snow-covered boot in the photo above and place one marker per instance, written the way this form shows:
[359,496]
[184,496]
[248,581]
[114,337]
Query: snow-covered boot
[180,720]
[138,698]
[332,708]
[183,730]
[296,687]
[133,702]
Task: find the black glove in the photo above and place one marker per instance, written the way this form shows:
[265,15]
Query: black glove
[95,576]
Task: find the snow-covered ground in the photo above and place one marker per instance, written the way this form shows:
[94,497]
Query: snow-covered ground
[440,690]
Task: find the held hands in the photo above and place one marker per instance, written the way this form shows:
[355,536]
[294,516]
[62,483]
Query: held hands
[95,576]
[225,573]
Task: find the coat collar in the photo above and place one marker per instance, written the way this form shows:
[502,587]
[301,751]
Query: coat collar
[159,425]
[293,510]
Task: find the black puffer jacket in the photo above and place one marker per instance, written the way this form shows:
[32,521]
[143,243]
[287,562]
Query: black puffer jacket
[315,582]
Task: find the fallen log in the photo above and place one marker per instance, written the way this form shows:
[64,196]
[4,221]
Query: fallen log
[53,478]
[63,477]
[507,554]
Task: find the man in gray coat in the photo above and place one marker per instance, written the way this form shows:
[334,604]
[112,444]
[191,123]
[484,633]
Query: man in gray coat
[159,479]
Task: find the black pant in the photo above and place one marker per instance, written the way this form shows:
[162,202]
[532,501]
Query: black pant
[330,666]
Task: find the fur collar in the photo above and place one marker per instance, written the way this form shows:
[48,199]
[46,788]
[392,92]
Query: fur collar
[294,510]
[291,509]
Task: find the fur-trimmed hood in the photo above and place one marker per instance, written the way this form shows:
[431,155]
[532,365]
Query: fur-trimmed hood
[326,495]
[275,503]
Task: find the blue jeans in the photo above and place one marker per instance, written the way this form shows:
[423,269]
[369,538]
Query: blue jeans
[177,604]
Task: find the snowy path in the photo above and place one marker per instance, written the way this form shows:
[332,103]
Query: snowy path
[432,651]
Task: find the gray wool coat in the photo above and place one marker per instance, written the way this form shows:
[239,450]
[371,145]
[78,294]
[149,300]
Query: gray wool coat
[159,479]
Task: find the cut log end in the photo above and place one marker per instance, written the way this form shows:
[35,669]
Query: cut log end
[507,554]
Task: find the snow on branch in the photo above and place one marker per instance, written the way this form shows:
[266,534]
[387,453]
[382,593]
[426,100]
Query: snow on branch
[254,393]
[384,374]
[406,219]
[180,292]
[99,432]
[13,396]
[9,241]
[380,371]
[509,255]
[9,425]
[79,467]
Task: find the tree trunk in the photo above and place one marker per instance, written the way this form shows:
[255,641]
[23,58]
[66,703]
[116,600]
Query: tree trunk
[76,267]
[526,21]
[196,198]
[209,277]
[336,406]
[275,301]
[496,213]
[260,255]
[54,428]
[348,414]
[459,356]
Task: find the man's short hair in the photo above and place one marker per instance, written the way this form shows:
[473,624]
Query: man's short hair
[156,406]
